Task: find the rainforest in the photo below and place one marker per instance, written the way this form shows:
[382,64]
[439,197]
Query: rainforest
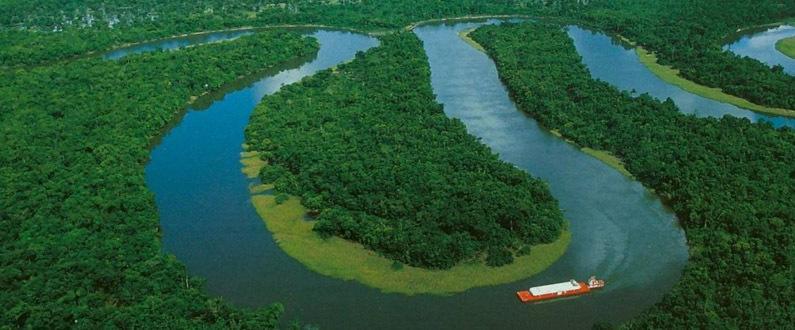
[392,164]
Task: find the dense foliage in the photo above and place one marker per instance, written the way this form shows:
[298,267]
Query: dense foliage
[80,239]
[90,25]
[369,148]
[689,35]
[730,182]
[685,33]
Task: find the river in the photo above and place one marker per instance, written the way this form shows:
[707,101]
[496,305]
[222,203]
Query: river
[761,45]
[617,64]
[621,232]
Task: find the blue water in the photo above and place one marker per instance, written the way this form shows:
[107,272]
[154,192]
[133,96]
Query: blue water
[762,46]
[620,66]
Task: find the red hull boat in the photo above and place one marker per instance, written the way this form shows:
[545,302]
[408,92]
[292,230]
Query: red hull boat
[559,290]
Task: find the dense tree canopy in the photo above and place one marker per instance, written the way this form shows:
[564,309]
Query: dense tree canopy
[91,25]
[368,146]
[685,33]
[80,240]
[80,236]
[690,34]
[730,182]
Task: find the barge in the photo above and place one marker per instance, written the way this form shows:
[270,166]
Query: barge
[559,290]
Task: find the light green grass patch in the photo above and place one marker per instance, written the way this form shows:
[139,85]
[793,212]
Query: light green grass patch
[786,46]
[252,163]
[259,188]
[557,134]
[609,159]
[339,258]
[602,155]
[671,76]
[465,36]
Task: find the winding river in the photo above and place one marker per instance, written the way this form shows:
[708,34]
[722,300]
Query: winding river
[761,45]
[619,65]
[620,231]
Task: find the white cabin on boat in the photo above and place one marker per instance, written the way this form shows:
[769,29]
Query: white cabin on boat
[553,288]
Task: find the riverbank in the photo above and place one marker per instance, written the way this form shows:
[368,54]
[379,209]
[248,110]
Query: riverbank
[671,76]
[786,46]
[465,36]
[602,155]
[343,259]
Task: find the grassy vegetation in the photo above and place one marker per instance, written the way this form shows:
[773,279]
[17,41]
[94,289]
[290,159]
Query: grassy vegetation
[671,76]
[786,46]
[604,156]
[465,36]
[252,163]
[608,159]
[340,258]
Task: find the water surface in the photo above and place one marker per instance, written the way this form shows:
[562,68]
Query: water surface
[619,65]
[761,45]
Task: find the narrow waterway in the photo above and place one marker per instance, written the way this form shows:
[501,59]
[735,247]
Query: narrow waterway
[620,231]
[175,43]
[619,65]
[761,45]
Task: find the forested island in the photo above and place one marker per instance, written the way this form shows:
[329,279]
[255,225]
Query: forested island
[729,181]
[81,238]
[364,157]
[371,152]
